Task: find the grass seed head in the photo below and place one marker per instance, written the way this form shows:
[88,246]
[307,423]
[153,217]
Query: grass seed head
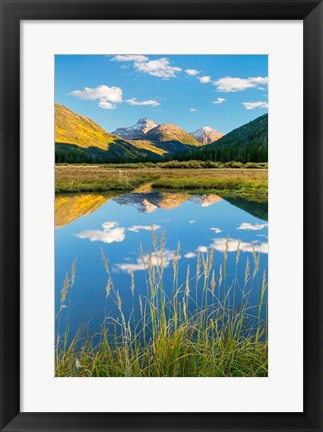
[105,261]
[65,289]
[247,272]
[108,288]
[213,283]
[73,272]
[221,276]
[132,283]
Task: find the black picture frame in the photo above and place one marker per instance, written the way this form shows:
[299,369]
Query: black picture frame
[12,12]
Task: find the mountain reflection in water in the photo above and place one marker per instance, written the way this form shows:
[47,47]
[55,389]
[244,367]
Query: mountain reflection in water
[69,207]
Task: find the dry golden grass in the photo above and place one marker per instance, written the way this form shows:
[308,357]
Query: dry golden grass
[77,178]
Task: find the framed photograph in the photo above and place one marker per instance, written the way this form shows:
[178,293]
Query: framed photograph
[161,207]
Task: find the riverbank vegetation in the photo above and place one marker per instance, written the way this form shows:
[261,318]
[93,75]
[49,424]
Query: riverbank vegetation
[176,164]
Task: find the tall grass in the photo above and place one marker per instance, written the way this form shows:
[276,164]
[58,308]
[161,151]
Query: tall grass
[201,326]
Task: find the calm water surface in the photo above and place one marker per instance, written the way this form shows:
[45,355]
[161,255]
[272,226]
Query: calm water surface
[119,224]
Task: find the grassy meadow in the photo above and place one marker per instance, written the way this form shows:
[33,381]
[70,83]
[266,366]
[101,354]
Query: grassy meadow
[206,327]
[98,178]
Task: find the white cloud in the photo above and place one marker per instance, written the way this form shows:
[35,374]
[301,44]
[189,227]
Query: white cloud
[218,101]
[204,79]
[202,249]
[192,72]
[107,96]
[260,80]
[142,263]
[110,233]
[220,245]
[194,110]
[216,230]
[130,57]
[190,255]
[113,94]
[106,105]
[234,84]
[253,105]
[251,227]
[135,102]
[137,228]
[192,221]
[109,225]
[160,68]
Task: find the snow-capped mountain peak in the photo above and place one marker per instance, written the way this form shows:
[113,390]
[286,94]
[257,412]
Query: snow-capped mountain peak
[138,130]
[206,135]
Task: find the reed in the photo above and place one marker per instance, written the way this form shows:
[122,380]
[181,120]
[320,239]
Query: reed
[202,326]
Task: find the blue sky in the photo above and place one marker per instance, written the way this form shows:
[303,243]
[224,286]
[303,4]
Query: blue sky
[220,91]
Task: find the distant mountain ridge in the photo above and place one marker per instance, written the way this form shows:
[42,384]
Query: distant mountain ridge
[149,130]
[206,135]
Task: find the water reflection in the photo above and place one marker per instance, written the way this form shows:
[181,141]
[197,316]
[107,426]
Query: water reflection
[151,201]
[72,206]
[121,224]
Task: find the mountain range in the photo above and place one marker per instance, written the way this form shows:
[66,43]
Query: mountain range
[147,129]
[79,139]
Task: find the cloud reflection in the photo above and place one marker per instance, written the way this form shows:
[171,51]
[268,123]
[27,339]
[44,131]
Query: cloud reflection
[142,262]
[221,244]
[216,230]
[111,233]
[202,249]
[251,227]
[190,255]
[137,228]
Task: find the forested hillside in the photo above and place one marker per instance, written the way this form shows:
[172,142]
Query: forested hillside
[248,143]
